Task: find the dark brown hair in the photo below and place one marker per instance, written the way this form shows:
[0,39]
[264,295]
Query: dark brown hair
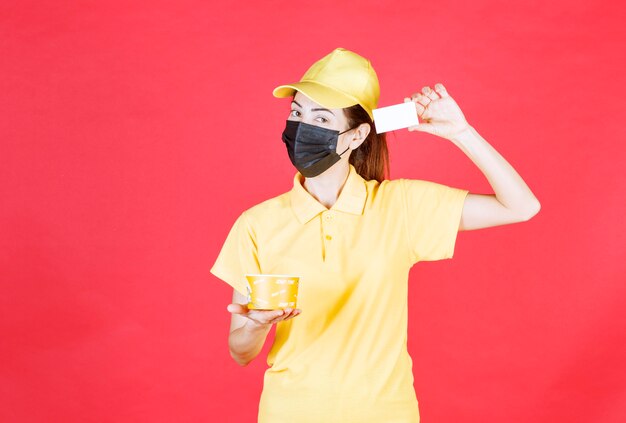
[371,159]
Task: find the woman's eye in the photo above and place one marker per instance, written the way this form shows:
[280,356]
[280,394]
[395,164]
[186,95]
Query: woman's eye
[296,113]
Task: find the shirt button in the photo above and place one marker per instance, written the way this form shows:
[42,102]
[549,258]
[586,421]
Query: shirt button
[328,237]
[328,216]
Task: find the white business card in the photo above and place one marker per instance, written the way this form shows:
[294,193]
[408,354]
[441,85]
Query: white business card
[395,117]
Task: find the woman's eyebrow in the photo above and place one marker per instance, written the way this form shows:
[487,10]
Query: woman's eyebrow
[316,109]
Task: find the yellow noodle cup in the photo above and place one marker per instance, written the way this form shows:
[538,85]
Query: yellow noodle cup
[272,292]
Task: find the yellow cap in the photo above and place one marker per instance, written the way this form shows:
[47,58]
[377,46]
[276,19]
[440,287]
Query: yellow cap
[340,79]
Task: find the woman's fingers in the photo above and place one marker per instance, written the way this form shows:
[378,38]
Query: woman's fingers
[264,316]
[419,107]
[421,99]
[271,316]
[441,90]
[289,313]
[428,92]
[237,308]
[293,313]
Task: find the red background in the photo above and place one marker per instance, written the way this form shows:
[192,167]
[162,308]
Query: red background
[132,134]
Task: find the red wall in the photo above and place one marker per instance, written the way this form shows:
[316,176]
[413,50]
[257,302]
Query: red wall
[133,133]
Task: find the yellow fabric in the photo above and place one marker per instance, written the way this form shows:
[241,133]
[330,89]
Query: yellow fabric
[340,79]
[344,359]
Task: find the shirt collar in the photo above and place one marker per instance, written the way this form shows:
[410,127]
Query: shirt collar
[351,199]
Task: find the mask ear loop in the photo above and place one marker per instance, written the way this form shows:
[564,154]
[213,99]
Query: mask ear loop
[349,129]
[344,151]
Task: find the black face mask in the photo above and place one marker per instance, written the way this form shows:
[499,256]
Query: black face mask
[312,149]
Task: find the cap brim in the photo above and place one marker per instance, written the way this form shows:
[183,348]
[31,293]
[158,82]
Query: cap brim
[324,96]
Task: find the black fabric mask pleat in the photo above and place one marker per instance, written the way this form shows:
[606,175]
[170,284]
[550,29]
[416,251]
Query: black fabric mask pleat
[311,149]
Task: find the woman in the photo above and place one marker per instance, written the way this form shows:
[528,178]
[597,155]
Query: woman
[352,235]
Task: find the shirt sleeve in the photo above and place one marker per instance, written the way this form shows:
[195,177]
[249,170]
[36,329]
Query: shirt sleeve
[433,215]
[238,255]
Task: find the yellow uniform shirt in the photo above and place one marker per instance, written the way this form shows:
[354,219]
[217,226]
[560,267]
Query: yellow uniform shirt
[345,358]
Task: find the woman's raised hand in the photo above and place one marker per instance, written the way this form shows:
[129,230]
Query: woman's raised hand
[440,114]
[263,317]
